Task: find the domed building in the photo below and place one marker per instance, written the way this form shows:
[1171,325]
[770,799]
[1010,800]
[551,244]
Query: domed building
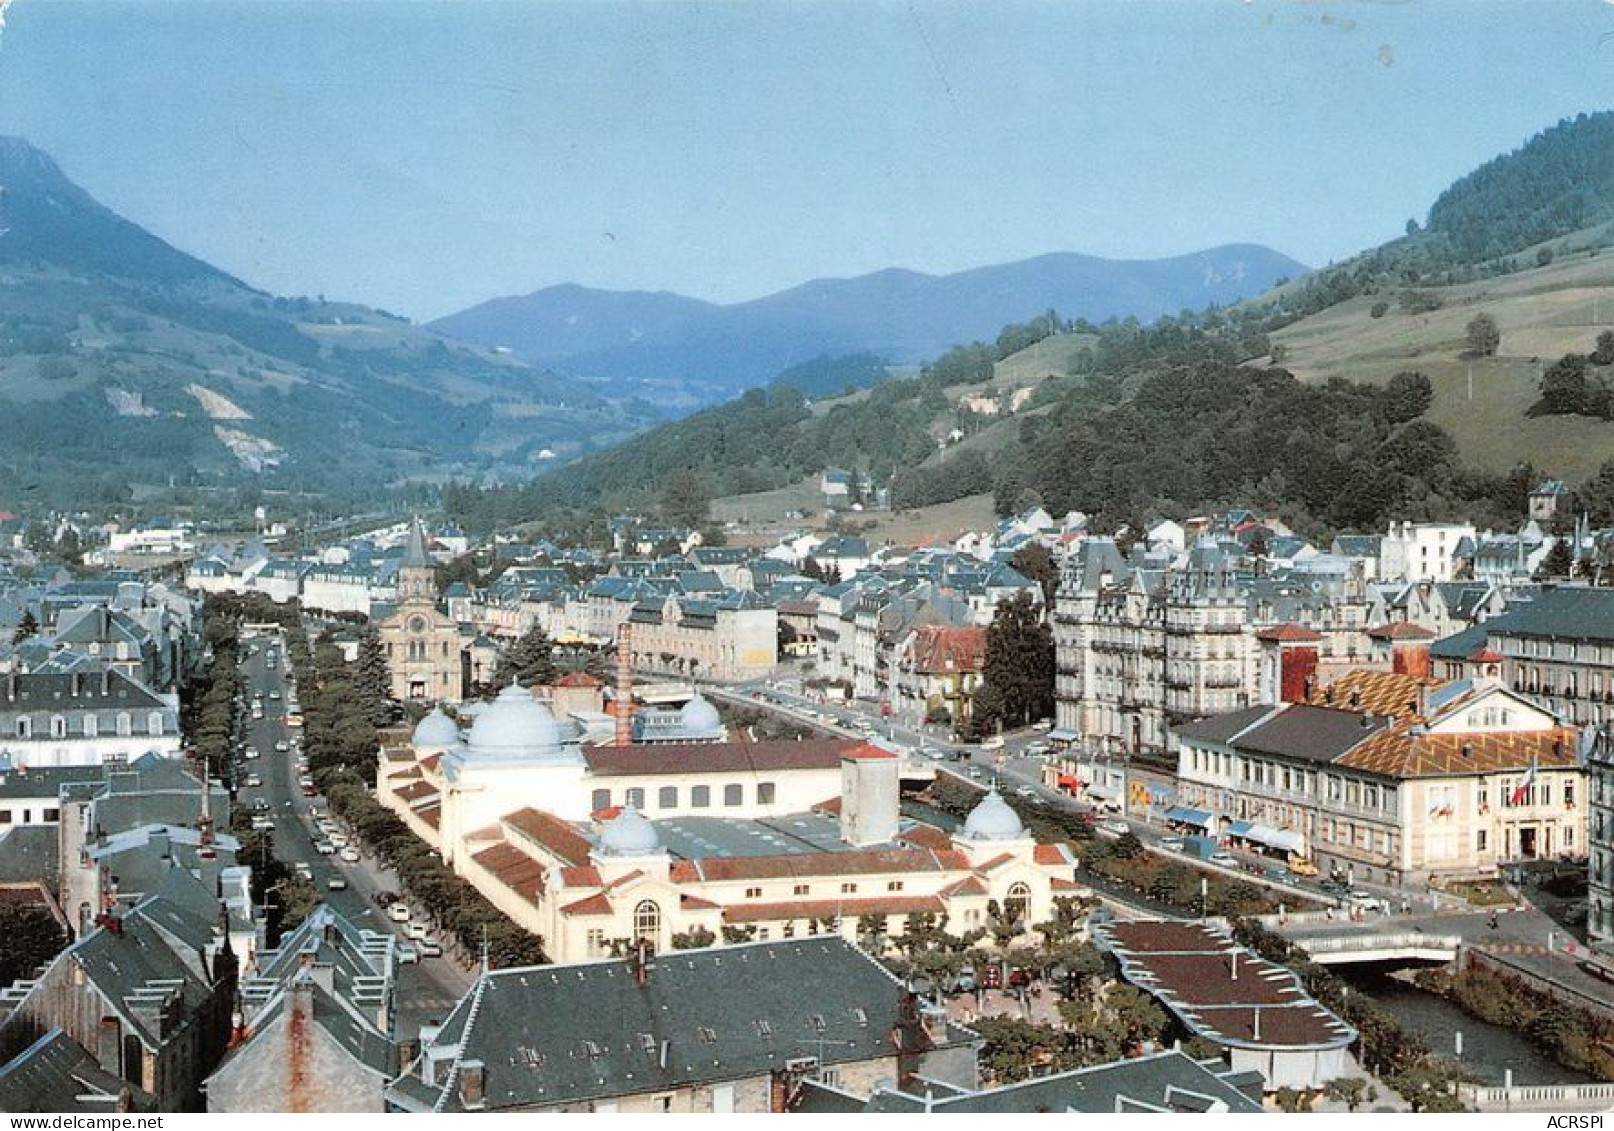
[993,819]
[435,733]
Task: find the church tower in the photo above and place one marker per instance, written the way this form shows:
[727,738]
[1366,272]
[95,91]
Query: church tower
[417,580]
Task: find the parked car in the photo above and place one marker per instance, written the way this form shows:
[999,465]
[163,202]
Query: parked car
[304,869]
[324,848]
[1119,828]
[386,898]
[339,839]
[1027,792]
[964,983]
[254,781]
[993,743]
[398,911]
[281,747]
[415,930]
[350,854]
[263,824]
[430,947]
[260,805]
[1172,844]
[336,883]
[1223,857]
[252,753]
[407,954]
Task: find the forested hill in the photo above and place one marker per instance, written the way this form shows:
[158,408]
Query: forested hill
[1193,411]
[129,368]
[1560,181]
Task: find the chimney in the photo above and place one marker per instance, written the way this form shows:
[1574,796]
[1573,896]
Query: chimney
[77,684]
[870,795]
[108,1045]
[473,1083]
[641,963]
[624,685]
[106,681]
[1233,964]
[1257,1035]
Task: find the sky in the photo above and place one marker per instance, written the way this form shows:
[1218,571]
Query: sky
[422,155]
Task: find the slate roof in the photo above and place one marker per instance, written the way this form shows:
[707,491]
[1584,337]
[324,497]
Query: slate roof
[1565,612]
[1222,728]
[1464,645]
[1168,1081]
[552,1035]
[1313,734]
[29,852]
[57,1074]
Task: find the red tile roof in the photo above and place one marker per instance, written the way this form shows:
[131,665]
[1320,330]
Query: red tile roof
[1289,634]
[717,757]
[551,833]
[579,679]
[940,649]
[597,904]
[859,862]
[1400,630]
[515,869]
[1400,753]
[867,751]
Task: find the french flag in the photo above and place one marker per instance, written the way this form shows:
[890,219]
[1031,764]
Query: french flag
[1523,790]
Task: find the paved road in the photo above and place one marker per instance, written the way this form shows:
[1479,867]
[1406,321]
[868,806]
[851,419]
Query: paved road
[427,990]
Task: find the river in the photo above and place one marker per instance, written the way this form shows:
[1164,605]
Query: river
[1487,1049]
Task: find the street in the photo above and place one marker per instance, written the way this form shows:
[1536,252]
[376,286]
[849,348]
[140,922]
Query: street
[426,990]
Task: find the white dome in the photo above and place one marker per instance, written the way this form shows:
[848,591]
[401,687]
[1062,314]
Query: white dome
[436,729]
[992,819]
[699,716]
[514,723]
[629,835]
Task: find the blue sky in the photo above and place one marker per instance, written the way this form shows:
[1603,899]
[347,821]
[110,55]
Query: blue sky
[423,156]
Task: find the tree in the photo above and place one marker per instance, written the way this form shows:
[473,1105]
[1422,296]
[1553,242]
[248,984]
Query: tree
[1483,336]
[1037,564]
[699,938]
[33,938]
[1352,1091]
[1017,676]
[1379,309]
[530,661]
[1603,354]
[28,626]
[685,501]
[1595,497]
[1566,388]
[1407,396]
[372,678]
[1559,562]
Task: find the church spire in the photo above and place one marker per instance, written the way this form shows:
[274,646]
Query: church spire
[415,547]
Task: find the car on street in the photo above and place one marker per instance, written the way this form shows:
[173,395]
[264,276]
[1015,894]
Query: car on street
[415,930]
[282,747]
[339,839]
[274,695]
[304,869]
[252,753]
[262,824]
[254,781]
[1224,858]
[1173,844]
[1026,792]
[430,947]
[260,805]
[351,855]
[1118,828]
[336,883]
[386,898]
[324,848]
[995,742]
[398,912]
[407,954]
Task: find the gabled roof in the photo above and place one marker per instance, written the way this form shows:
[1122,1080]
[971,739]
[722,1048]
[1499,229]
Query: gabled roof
[57,1074]
[553,1035]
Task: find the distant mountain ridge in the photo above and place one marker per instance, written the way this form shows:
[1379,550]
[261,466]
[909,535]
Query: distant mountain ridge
[641,343]
[127,364]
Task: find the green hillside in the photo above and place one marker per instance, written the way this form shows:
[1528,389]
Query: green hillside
[130,370]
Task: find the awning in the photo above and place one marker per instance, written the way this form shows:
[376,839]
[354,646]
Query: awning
[1066,781]
[1061,734]
[1186,816]
[1239,828]
[1285,840]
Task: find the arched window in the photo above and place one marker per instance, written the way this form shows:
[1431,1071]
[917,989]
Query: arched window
[1017,903]
[647,922]
[125,724]
[58,726]
[154,722]
[23,728]
[91,726]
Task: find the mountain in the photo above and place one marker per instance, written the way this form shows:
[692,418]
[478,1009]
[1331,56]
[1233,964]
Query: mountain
[689,353]
[127,365]
[1340,399]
